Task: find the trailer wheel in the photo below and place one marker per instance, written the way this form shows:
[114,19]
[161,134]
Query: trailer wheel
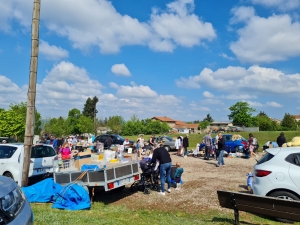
[147,191]
[133,188]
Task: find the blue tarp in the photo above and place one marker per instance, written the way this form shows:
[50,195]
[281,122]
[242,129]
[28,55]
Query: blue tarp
[88,167]
[71,196]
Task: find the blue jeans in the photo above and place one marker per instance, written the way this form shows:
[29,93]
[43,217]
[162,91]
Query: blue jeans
[221,159]
[165,170]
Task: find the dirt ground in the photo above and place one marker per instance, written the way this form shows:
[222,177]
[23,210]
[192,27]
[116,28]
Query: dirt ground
[201,180]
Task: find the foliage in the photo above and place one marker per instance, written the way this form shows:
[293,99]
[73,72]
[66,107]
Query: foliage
[72,121]
[208,118]
[204,124]
[56,127]
[241,113]
[288,122]
[115,123]
[89,109]
[13,121]
[85,125]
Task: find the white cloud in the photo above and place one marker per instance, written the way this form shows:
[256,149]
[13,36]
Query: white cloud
[283,5]
[207,94]
[275,38]
[225,56]
[120,69]
[242,14]
[237,96]
[52,52]
[241,81]
[211,102]
[273,104]
[254,104]
[134,91]
[165,30]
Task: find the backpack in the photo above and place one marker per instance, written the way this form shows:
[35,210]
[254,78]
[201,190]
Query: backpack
[254,141]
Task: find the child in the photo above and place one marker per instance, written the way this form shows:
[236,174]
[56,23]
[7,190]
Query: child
[177,176]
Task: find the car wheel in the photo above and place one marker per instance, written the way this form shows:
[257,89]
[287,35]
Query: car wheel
[8,174]
[286,196]
[236,149]
[167,148]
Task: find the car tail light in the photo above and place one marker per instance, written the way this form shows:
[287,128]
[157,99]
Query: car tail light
[110,185]
[136,177]
[262,173]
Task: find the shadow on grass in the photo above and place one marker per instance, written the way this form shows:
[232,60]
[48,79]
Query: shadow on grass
[108,197]
[229,221]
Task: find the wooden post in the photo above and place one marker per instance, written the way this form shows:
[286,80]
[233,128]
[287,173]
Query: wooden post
[30,115]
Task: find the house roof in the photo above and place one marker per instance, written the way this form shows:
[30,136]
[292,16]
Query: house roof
[163,119]
[186,125]
[297,116]
[178,122]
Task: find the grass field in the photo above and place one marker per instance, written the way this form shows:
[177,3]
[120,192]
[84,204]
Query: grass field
[262,137]
[100,213]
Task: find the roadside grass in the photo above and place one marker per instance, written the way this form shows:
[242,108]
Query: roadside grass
[101,213]
[262,137]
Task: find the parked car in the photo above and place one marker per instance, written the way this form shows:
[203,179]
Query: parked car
[277,174]
[117,139]
[8,140]
[41,162]
[169,143]
[15,208]
[230,145]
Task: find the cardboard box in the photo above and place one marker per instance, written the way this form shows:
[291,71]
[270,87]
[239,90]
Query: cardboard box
[81,161]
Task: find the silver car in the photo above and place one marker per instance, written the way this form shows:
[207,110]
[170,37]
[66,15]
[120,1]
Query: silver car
[169,143]
[14,206]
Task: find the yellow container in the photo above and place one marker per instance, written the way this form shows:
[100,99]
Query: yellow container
[100,156]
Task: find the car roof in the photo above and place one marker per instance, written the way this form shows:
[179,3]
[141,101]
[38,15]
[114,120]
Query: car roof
[287,150]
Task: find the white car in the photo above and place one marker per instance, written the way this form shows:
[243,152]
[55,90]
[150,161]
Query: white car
[277,174]
[41,162]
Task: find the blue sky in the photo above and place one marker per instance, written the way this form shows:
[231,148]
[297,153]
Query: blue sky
[182,59]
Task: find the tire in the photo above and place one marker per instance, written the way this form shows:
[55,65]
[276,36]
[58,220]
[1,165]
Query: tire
[286,196]
[147,191]
[167,147]
[236,149]
[8,174]
[133,188]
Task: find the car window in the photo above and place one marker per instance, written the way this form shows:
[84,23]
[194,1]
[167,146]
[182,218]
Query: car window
[265,158]
[42,151]
[169,138]
[227,137]
[103,138]
[6,152]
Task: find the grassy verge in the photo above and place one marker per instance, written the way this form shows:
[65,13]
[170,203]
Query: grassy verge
[115,215]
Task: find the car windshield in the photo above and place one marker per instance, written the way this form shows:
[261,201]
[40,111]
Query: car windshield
[227,137]
[119,137]
[265,158]
[169,138]
[41,151]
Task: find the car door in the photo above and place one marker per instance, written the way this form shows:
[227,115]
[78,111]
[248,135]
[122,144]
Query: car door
[7,162]
[294,170]
[42,157]
[228,143]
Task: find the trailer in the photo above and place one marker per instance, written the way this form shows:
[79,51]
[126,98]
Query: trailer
[110,176]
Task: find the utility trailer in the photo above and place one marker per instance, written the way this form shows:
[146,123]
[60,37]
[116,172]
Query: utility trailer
[111,176]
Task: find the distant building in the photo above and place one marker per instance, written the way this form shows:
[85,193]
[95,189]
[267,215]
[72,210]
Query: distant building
[178,125]
[278,121]
[216,126]
[297,117]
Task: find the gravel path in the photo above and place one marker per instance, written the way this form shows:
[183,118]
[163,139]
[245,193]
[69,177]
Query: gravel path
[198,193]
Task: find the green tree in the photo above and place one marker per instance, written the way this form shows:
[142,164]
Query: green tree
[264,122]
[72,121]
[208,118]
[85,124]
[13,121]
[203,124]
[288,122]
[241,113]
[115,123]
[56,126]
[89,109]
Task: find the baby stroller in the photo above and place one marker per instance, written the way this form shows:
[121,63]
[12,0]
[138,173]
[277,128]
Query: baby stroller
[149,178]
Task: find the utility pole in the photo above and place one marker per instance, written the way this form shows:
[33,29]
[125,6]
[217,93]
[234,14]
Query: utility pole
[30,115]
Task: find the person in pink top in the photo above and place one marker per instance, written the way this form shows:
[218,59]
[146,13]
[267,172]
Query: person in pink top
[65,151]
